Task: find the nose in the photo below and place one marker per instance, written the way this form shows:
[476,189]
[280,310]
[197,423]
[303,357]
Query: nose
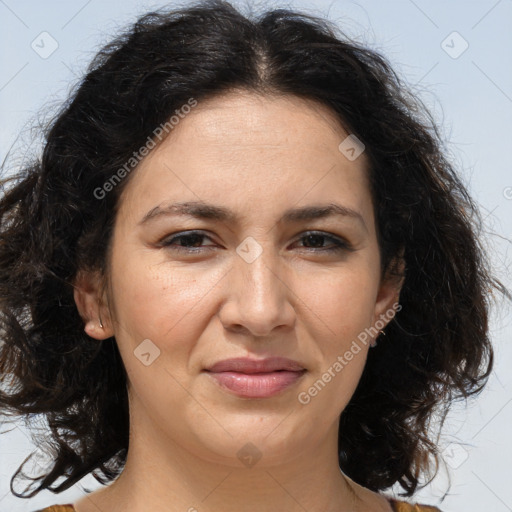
[259,296]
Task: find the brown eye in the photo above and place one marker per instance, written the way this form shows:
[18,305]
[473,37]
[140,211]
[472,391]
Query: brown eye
[187,241]
[317,240]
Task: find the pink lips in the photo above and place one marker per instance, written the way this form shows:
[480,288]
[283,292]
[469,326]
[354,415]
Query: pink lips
[253,378]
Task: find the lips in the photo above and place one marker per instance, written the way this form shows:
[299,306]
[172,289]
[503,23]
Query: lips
[246,365]
[253,378]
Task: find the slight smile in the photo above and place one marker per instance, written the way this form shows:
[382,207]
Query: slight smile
[252,378]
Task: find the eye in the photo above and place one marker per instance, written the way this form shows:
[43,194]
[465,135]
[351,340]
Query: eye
[190,242]
[317,238]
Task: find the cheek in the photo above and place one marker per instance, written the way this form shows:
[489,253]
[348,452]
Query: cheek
[341,307]
[343,300]
[160,302]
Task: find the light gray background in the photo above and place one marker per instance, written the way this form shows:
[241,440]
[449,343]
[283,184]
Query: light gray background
[470,94]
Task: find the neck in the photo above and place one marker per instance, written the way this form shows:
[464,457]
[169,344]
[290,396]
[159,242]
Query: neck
[161,474]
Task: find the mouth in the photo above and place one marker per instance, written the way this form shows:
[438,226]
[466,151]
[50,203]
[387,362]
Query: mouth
[252,378]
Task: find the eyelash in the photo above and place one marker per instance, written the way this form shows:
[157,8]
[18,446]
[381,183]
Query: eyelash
[339,244]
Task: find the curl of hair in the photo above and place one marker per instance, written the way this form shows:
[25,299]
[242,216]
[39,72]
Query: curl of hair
[52,225]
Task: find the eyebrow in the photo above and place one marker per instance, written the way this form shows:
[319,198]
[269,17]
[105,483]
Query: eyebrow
[202,210]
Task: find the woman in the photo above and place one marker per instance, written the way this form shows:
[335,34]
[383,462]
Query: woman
[242,275]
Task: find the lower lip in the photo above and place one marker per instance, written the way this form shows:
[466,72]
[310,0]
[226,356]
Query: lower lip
[256,385]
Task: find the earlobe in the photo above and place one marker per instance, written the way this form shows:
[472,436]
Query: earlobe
[89,299]
[388,297]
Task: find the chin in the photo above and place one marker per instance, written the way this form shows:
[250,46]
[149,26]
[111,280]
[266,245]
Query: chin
[251,451]
[257,439]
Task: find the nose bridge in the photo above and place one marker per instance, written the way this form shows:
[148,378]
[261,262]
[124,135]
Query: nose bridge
[260,276]
[258,298]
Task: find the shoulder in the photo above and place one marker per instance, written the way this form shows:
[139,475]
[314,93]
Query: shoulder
[58,508]
[398,506]
[402,506]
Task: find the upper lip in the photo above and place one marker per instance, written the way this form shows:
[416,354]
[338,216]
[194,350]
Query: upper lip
[247,365]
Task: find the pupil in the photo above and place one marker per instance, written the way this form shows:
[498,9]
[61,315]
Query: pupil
[191,237]
[318,237]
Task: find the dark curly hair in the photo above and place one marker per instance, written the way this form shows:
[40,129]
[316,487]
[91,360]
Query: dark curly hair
[52,225]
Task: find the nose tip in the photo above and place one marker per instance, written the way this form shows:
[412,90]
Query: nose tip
[256,331]
[258,301]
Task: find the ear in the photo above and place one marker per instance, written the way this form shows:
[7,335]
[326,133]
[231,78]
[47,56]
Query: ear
[388,296]
[90,299]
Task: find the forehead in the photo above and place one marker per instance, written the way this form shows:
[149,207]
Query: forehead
[263,149]
[264,117]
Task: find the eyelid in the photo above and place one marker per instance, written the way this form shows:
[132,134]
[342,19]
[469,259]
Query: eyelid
[165,241]
[335,238]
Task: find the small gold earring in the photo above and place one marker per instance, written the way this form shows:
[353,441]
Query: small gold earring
[101,325]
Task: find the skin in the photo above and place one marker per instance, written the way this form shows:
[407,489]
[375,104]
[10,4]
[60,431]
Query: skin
[258,156]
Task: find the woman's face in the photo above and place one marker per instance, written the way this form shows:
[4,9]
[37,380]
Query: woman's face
[248,272]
